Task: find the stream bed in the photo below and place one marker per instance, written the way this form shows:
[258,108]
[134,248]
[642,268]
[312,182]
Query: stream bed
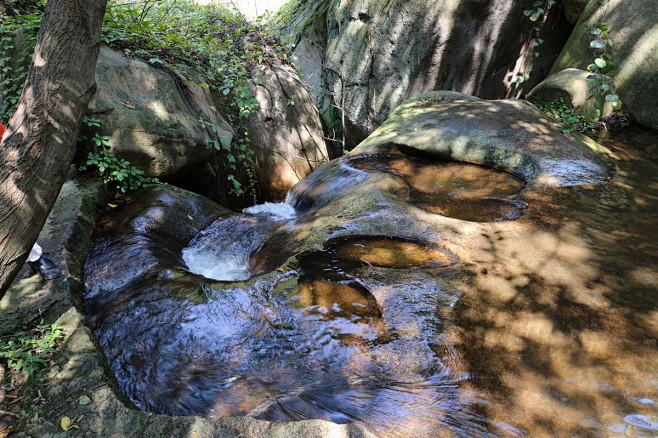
[451,302]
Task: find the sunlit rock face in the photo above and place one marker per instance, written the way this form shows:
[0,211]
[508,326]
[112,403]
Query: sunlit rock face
[286,133]
[507,134]
[152,116]
[380,53]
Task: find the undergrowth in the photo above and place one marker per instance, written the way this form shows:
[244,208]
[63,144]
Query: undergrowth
[568,119]
[30,350]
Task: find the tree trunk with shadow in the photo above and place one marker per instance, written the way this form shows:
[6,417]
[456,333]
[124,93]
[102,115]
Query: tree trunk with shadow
[41,136]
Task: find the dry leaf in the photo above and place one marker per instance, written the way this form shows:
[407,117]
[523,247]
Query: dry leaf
[55,215]
[16,400]
[190,217]
[6,432]
[128,105]
[65,423]
[84,400]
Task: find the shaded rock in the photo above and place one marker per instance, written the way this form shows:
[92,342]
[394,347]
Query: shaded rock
[286,135]
[573,9]
[632,28]
[384,52]
[508,134]
[571,85]
[152,117]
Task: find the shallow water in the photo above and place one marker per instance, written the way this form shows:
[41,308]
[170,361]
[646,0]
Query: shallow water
[549,327]
[559,329]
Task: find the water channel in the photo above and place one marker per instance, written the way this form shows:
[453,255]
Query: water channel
[520,313]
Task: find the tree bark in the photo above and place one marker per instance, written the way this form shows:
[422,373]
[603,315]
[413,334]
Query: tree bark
[41,136]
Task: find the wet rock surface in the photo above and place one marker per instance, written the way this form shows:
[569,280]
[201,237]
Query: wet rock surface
[541,326]
[507,134]
[308,340]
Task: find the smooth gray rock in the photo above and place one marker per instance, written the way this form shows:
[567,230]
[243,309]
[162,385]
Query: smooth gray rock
[286,134]
[152,116]
[507,134]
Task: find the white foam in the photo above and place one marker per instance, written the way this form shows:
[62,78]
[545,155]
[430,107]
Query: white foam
[216,264]
[222,250]
[277,210]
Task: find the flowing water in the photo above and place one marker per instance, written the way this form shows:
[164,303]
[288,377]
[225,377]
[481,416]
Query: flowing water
[547,327]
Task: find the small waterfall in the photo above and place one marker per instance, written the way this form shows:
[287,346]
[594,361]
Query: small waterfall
[323,184]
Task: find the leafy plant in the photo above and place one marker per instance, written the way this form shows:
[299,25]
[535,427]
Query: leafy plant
[209,39]
[601,84]
[118,172]
[30,350]
[538,9]
[11,81]
[568,119]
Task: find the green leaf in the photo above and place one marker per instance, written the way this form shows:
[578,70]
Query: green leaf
[535,16]
[597,44]
[611,98]
[595,31]
[600,62]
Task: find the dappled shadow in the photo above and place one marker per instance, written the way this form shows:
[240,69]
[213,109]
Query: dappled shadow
[559,322]
[401,48]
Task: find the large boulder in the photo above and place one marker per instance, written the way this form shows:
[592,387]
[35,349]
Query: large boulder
[508,134]
[380,53]
[571,85]
[152,116]
[286,134]
[634,34]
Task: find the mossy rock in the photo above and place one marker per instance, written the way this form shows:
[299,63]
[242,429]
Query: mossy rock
[508,134]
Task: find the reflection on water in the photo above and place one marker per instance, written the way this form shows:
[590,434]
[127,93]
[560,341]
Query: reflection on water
[549,326]
[454,189]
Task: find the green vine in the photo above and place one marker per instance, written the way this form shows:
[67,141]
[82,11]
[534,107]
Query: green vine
[13,80]
[538,9]
[601,84]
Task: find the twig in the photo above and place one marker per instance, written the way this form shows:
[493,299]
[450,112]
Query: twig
[11,414]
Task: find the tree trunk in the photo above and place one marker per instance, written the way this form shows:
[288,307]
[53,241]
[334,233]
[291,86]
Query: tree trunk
[41,136]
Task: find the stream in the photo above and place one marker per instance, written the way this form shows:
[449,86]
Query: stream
[463,304]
